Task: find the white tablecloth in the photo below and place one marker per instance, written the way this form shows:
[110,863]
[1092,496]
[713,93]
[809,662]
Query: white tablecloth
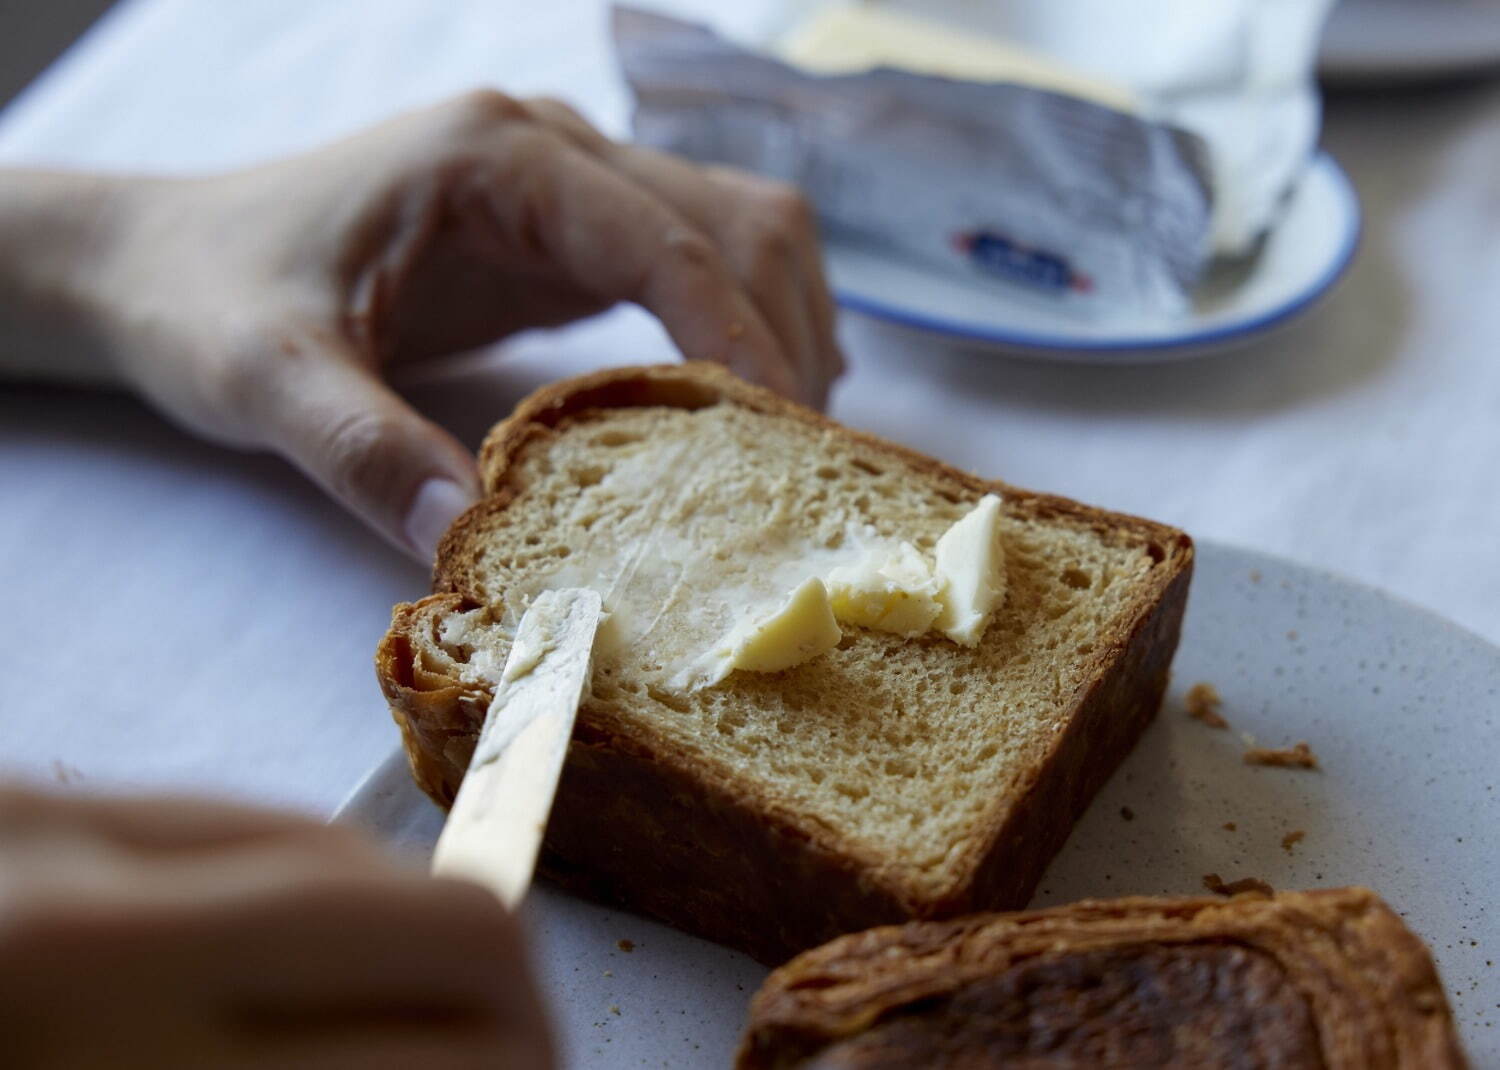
[175,615]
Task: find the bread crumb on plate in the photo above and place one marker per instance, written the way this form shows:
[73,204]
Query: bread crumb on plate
[1300,756]
[1215,883]
[1291,839]
[1203,704]
[625,945]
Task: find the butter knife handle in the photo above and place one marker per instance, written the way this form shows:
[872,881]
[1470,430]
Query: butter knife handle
[495,826]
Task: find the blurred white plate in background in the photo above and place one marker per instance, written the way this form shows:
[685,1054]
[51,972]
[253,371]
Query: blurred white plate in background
[1301,259]
[1381,41]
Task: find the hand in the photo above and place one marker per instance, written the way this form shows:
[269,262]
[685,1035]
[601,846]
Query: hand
[260,308]
[169,933]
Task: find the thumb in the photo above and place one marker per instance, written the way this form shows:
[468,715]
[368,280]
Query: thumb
[363,444]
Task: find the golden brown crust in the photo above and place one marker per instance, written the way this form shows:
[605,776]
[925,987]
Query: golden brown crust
[1324,978]
[641,822]
[1100,730]
[437,717]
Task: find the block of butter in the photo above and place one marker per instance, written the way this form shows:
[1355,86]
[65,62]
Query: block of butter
[971,573]
[853,38]
[896,590]
[950,149]
[891,588]
[798,630]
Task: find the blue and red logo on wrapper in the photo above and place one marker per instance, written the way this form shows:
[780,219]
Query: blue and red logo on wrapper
[999,255]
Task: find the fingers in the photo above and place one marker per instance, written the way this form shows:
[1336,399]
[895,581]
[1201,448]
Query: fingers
[396,941]
[322,408]
[428,958]
[758,242]
[788,213]
[169,823]
[547,201]
[764,228]
[772,233]
[380,1046]
[248,939]
[80,863]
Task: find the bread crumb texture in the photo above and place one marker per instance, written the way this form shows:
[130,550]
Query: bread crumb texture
[1203,702]
[1216,884]
[1300,756]
[683,518]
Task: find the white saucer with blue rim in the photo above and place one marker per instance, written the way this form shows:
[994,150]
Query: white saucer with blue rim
[1299,262]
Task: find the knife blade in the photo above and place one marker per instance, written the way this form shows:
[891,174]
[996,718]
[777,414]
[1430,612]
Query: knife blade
[495,826]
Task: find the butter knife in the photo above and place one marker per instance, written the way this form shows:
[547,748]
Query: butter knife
[495,826]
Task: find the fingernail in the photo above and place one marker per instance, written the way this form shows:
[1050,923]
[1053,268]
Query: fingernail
[437,504]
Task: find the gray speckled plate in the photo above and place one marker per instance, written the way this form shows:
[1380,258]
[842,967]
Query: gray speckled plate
[1401,707]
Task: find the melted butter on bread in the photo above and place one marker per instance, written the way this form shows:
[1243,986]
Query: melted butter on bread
[691,595]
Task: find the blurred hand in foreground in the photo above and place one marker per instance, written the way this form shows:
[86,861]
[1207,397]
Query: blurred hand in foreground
[260,308]
[171,933]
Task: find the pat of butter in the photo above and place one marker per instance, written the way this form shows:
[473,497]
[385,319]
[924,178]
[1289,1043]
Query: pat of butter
[892,589]
[852,38]
[971,572]
[801,629]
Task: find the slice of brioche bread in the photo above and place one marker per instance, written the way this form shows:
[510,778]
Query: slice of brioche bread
[887,779]
[1324,979]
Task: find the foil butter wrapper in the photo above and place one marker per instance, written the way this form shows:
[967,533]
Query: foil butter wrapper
[1057,196]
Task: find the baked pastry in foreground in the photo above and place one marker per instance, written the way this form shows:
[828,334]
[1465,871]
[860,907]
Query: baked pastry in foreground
[1328,978]
[891,776]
